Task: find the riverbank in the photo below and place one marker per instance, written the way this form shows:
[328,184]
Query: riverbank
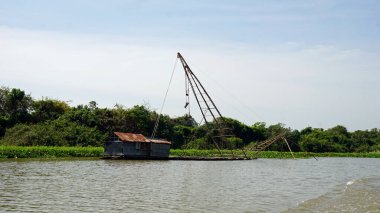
[49,151]
[271,154]
[57,152]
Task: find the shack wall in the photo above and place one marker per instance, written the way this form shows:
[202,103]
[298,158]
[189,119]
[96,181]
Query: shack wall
[160,150]
[119,148]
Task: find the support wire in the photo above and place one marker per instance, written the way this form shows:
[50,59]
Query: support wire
[163,103]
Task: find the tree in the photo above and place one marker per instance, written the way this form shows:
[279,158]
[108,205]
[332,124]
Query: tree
[182,135]
[14,107]
[260,132]
[53,133]
[186,120]
[364,141]
[48,109]
[307,130]
[240,130]
[234,143]
[24,121]
[274,130]
[340,135]
[321,141]
[140,119]
[33,135]
[293,137]
[199,143]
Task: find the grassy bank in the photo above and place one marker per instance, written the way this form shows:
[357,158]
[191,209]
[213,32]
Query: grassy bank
[270,154]
[55,152]
[49,151]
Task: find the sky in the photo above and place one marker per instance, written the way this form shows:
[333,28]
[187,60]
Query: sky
[297,62]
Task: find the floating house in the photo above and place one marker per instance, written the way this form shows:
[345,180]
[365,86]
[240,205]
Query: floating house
[136,146]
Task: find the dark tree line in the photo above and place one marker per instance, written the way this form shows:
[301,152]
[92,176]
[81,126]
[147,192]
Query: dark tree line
[28,122]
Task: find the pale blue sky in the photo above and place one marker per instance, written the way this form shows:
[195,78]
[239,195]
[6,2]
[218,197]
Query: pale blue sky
[297,62]
[345,22]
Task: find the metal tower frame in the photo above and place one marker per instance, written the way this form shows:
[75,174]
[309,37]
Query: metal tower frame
[206,105]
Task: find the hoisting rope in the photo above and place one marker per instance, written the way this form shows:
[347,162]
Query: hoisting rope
[163,103]
[187,92]
[185,146]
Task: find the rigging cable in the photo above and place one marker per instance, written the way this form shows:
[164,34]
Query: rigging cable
[163,103]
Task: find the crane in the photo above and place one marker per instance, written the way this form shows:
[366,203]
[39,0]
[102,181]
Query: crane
[209,110]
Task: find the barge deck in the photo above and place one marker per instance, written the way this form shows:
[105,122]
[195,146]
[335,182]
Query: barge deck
[185,158]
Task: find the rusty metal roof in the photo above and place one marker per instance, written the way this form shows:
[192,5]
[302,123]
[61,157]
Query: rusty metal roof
[131,137]
[160,141]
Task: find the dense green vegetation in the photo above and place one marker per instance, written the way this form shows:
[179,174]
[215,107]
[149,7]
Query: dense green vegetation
[269,154]
[56,152]
[25,121]
[49,152]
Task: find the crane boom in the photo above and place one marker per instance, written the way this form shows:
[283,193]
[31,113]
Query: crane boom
[209,110]
[205,102]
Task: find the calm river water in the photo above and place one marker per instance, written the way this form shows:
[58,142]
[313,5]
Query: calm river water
[263,185]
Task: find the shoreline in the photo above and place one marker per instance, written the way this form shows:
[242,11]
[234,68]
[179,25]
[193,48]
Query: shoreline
[9,152]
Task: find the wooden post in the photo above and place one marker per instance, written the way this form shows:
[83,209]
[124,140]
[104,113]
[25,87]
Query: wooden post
[288,147]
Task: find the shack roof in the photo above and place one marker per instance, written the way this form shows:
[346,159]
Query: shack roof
[131,137]
[160,141]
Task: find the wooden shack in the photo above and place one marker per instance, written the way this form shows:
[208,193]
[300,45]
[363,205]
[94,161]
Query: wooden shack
[136,146]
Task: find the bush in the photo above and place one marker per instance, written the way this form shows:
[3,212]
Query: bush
[53,134]
[200,143]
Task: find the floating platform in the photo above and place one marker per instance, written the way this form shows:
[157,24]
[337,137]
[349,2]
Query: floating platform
[187,158]
[123,157]
[209,158]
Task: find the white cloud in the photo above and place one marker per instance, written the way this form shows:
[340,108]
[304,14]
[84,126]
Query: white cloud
[293,83]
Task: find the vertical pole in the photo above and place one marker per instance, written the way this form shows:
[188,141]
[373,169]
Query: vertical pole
[288,147]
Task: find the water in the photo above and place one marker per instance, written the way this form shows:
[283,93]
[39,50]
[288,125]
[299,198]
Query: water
[264,185]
